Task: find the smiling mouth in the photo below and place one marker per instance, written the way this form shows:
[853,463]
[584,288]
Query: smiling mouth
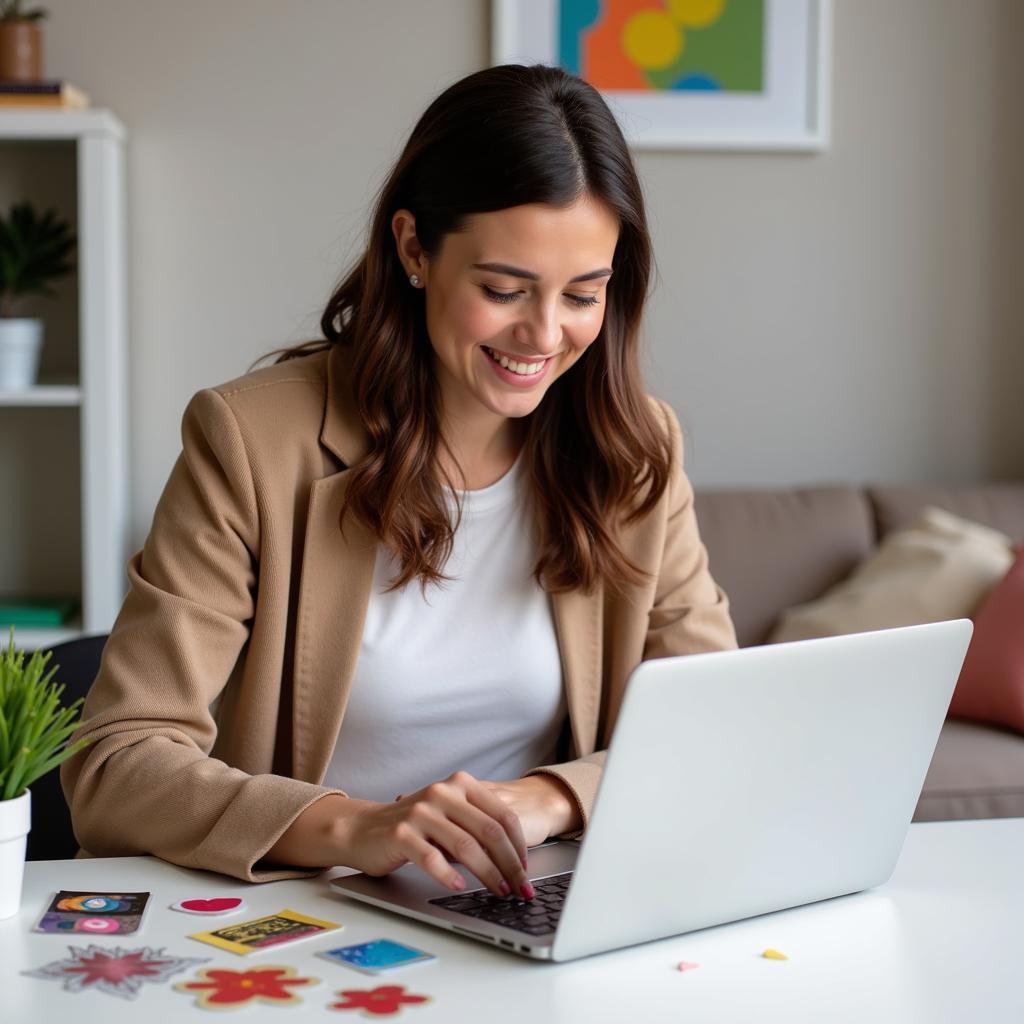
[517,365]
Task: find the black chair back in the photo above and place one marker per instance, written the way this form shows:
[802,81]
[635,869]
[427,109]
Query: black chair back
[52,837]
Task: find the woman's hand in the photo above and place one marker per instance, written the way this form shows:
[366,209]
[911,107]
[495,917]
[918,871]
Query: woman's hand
[544,805]
[459,816]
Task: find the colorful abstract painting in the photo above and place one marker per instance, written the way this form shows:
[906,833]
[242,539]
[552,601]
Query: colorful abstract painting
[662,45]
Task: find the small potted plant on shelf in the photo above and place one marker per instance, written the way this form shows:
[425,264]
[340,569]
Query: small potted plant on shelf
[34,733]
[21,42]
[33,250]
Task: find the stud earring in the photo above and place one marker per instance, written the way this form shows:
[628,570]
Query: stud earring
[414,280]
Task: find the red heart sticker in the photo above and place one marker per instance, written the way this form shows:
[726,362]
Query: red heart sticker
[216,905]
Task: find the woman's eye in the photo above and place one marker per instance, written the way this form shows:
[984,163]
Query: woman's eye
[576,300]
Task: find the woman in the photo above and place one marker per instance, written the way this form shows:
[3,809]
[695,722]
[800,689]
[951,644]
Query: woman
[274,698]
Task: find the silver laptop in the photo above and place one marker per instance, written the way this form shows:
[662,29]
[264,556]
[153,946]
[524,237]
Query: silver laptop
[737,783]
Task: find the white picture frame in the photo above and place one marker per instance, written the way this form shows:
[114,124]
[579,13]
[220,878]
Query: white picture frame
[790,114]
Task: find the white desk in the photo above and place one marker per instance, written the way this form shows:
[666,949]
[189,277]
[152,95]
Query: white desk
[943,940]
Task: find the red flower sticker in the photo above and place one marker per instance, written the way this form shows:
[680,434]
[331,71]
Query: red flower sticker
[378,1002]
[222,986]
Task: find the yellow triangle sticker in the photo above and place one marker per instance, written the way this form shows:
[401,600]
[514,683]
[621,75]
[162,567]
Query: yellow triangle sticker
[774,954]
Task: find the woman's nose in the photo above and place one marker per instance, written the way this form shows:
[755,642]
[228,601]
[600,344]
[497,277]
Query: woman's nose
[541,334]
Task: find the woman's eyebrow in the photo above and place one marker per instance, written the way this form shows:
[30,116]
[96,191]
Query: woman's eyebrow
[505,268]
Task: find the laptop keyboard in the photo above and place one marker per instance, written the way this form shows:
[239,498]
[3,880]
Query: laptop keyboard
[535,917]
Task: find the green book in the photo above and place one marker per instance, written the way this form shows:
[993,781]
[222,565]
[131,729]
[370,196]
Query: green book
[34,612]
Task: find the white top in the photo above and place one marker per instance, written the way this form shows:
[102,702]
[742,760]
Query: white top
[469,677]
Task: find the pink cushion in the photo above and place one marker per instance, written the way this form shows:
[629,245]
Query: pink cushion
[991,683]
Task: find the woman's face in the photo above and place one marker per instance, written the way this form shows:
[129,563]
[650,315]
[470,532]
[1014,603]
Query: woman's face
[525,285]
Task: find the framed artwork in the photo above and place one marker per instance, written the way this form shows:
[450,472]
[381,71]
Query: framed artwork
[686,74]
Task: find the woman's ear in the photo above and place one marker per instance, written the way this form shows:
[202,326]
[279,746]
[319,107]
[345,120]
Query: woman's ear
[410,252]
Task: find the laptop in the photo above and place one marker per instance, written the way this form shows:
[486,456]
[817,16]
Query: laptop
[737,783]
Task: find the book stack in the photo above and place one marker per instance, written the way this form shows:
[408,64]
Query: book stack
[35,612]
[44,92]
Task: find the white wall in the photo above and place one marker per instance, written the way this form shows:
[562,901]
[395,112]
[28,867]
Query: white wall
[850,315]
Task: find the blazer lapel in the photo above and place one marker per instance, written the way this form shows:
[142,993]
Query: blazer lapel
[334,585]
[334,591]
[578,628]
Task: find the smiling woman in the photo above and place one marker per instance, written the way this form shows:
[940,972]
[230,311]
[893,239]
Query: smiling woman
[474,420]
[499,347]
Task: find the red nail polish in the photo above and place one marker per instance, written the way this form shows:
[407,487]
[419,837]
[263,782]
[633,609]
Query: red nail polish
[459,882]
[527,890]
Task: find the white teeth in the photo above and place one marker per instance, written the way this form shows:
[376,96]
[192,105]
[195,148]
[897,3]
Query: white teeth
[524,369]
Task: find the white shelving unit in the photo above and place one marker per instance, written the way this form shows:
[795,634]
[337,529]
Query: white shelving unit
[64,443]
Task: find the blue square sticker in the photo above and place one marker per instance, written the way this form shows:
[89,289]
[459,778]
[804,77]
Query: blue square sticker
[376,956]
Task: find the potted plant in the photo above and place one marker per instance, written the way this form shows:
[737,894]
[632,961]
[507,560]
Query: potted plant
[21,42]
[34,733]
[33,250]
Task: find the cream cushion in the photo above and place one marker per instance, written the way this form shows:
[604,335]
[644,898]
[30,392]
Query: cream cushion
[939,567]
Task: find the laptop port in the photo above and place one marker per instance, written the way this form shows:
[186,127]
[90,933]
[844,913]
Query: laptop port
[505,942]
[525,949]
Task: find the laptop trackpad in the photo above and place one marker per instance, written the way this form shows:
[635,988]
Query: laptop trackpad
[410,882]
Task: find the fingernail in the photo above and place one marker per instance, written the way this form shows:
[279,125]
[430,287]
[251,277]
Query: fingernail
[527,890]
[504,888]
[459,882]
[522,860]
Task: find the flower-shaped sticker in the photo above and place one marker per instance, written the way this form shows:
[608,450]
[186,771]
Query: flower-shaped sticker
[219,987]
[119,972]
[376,1002]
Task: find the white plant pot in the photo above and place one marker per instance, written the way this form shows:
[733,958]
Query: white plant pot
[21,341]
[15,822]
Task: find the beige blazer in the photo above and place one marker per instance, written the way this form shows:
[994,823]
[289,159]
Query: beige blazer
[224,680]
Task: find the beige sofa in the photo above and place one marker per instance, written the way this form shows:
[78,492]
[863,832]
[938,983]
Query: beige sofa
[771,549]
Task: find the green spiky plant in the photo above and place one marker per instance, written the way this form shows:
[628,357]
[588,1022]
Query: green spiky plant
[34,727]
[33,250]
[10,10]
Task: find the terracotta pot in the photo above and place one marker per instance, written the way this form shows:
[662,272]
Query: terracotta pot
[21,51]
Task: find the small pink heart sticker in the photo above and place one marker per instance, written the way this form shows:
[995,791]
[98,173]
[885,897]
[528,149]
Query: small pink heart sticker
[215,905]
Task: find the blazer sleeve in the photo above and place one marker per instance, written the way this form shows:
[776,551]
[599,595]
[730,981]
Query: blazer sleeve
[146,782]
[690,613]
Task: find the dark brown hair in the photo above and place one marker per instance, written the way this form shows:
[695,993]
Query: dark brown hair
[595,451]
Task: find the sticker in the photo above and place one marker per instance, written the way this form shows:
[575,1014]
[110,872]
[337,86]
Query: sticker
[774,954]
[376,1002]
[262,932]
[685,965]
[119,972]
[222,987]
[376,956]
[215,905]
[96,913]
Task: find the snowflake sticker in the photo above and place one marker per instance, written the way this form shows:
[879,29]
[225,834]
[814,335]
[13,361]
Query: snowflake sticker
[118,972]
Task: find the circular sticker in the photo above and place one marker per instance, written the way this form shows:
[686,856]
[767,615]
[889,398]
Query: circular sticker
[98,925]
[101,903]
[97,904]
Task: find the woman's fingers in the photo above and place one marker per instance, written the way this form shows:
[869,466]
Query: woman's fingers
[490,838]
[461,819]
[428,857]
[467,850]
[492,828]
[496,808]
